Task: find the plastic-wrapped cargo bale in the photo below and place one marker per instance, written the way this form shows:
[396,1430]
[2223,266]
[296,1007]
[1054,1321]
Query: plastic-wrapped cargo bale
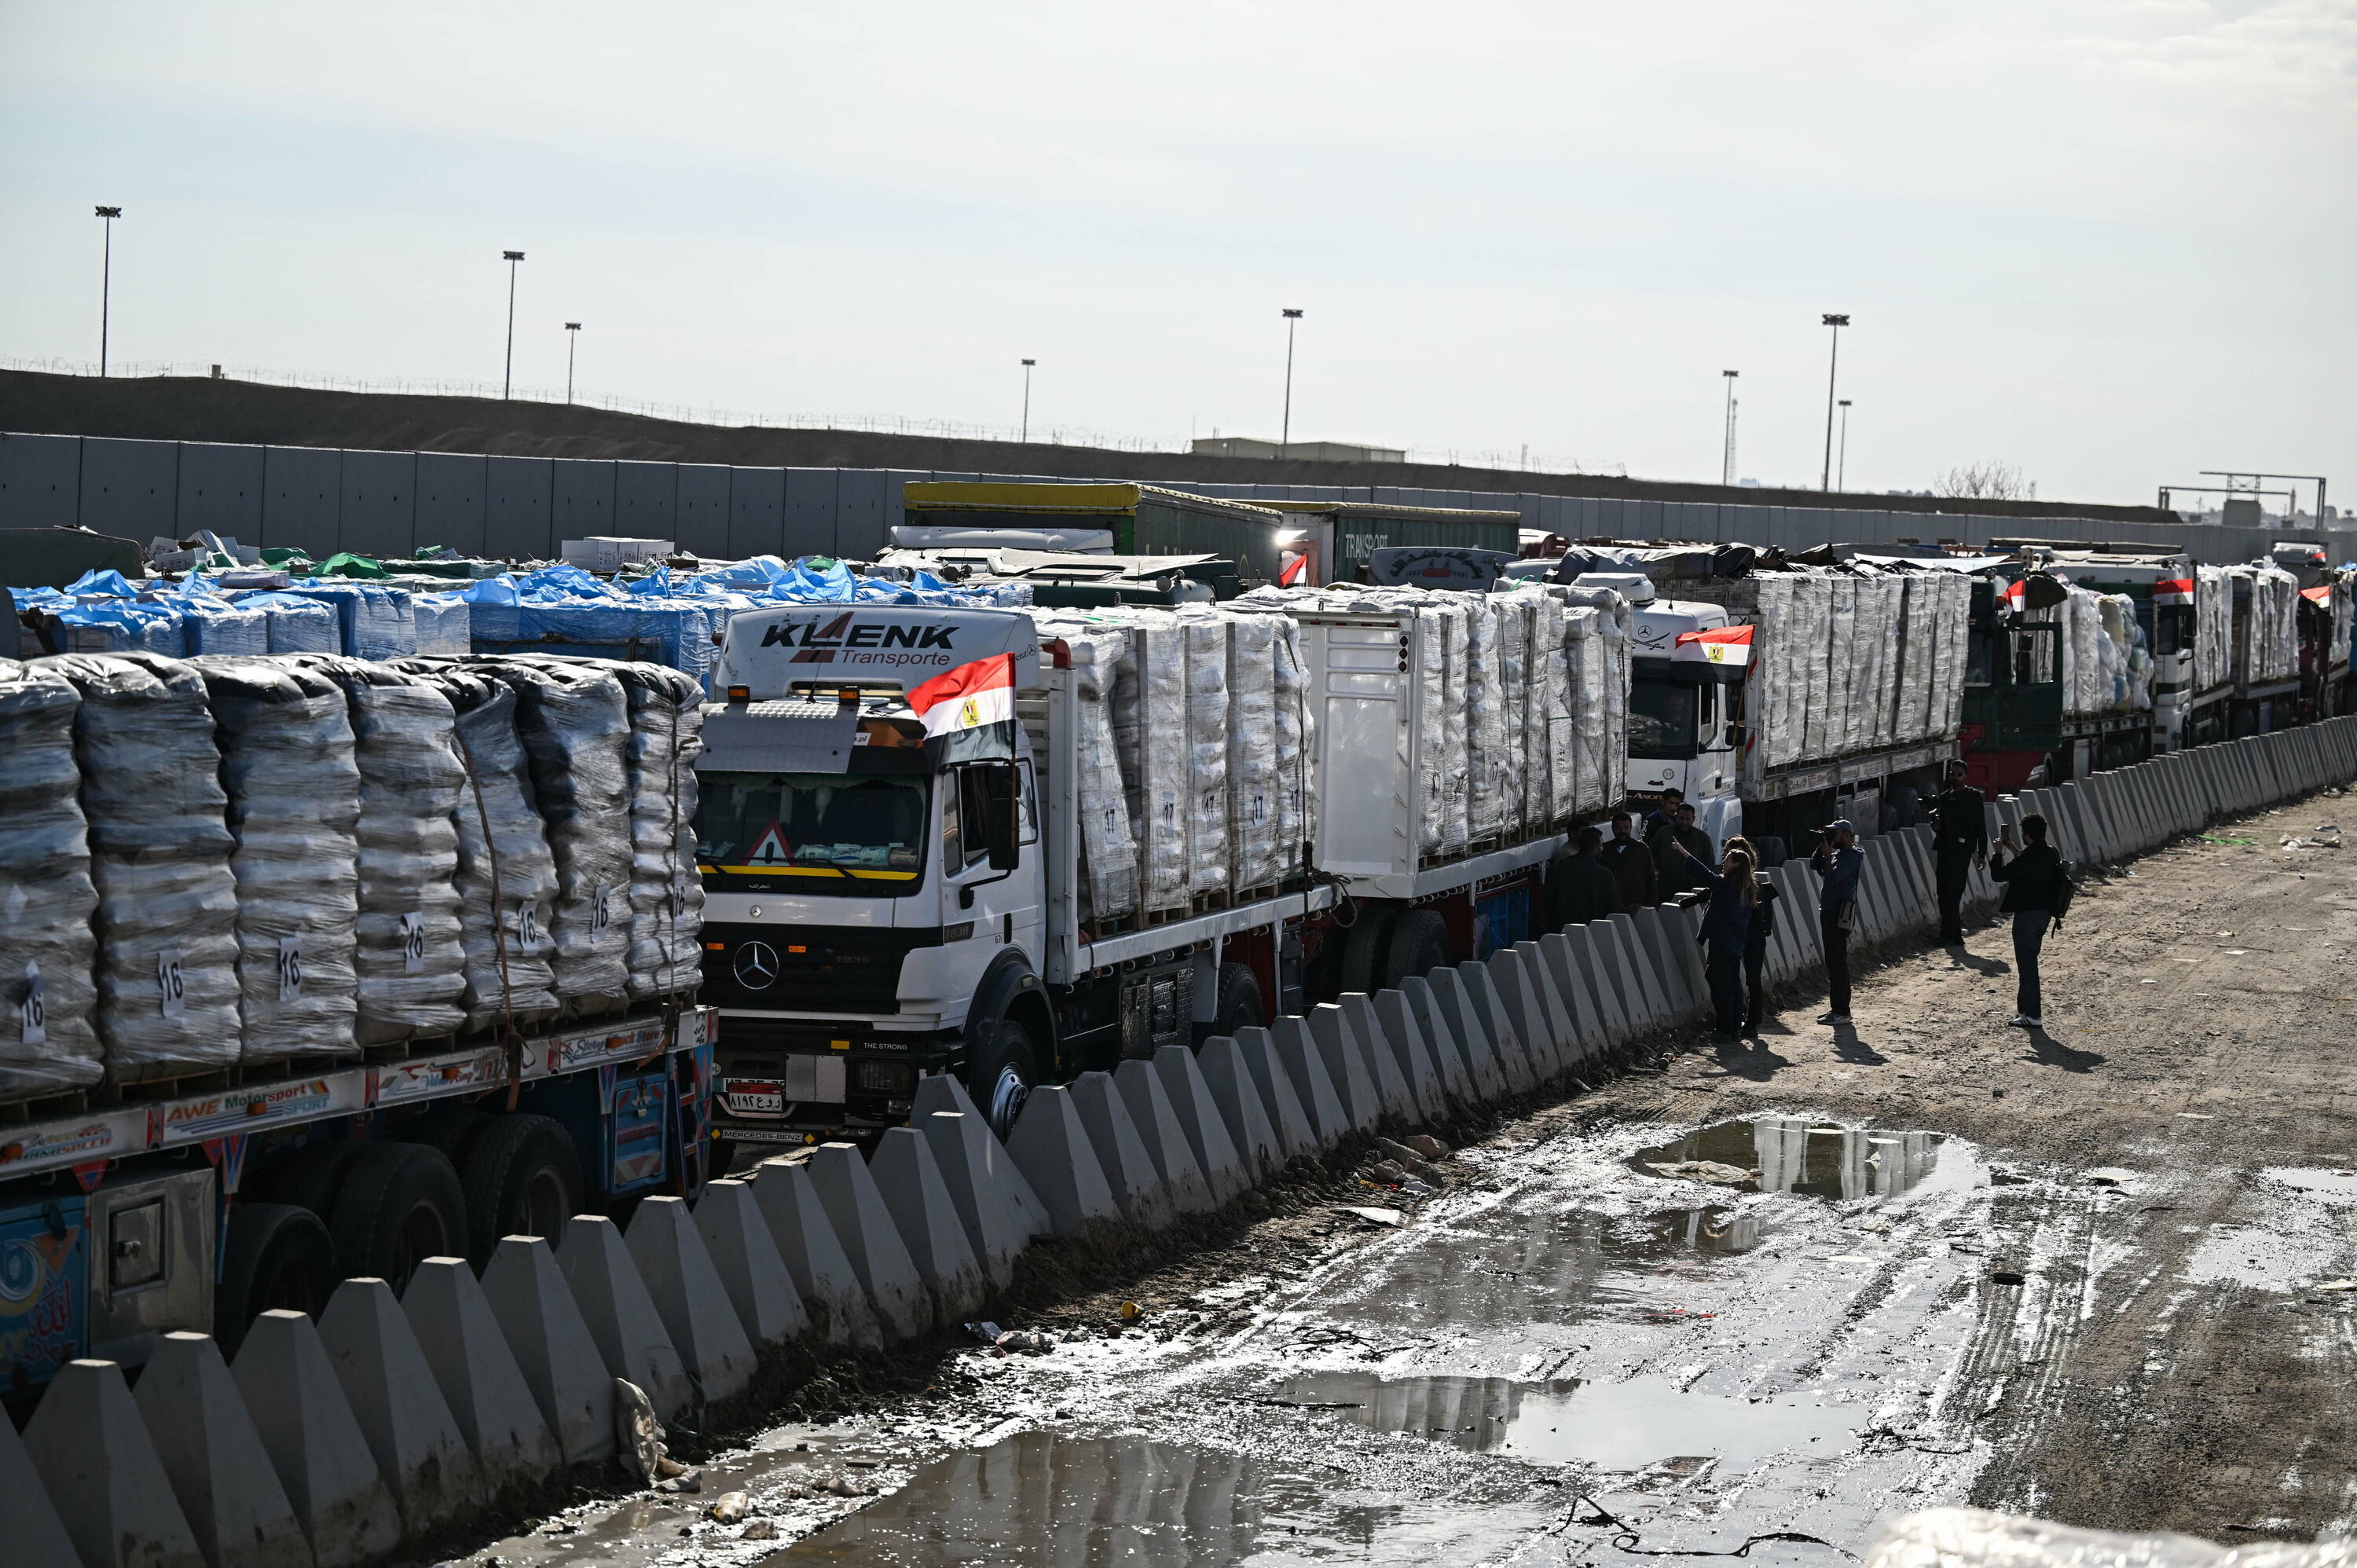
[1956,635]
[1152,737]
[372,621]
[1485,700]
[1515,613]
[294,624]
[1253,811]
[1812,622]
[1841,663]
[666,950]
[1772,673]
[124,626]
[575,726]
[1547,713]
[217,626]
[2214,627]
[1917,617]
[49,1031]
[507,877]
[1889,593]
[1109,888]
[1206,638]
[159,852]
[444,623]
[285,739]
[1296,822]
[411,957]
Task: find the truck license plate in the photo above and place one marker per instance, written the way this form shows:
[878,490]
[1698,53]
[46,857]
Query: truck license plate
[746,1098]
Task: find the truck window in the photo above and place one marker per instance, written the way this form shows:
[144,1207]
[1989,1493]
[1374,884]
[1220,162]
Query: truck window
[2172,630]
[1661,715]
[829,832]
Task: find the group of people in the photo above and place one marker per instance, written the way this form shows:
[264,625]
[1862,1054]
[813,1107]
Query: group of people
[1604,877]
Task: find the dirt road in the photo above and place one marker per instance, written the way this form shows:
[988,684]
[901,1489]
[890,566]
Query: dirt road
[1756,1301]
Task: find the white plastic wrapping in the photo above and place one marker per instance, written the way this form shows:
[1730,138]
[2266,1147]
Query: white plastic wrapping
[1254,810]
[1485,719]
[160,843]
[666,949]
[1109,886]
[302,625]
[48,1001]
[1205,635]
[216,626]
[1295,748]
[2213,628]
[1515,614]
[286,763]
[2266,624]
[444,625]
[1151,738]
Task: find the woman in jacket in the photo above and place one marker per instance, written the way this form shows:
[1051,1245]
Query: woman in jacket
[2037,891]
[1755,942]
[1726,927]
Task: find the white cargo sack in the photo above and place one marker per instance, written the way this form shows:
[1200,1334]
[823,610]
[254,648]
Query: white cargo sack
[48,998]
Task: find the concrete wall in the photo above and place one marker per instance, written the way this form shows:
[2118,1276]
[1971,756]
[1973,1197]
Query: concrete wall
[390,503]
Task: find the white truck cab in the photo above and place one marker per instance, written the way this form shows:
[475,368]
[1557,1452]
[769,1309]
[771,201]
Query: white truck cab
[1684,730]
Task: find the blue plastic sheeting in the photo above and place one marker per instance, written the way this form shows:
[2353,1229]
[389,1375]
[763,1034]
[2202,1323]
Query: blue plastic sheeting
[375,622]
[119,626]
[111,584]
[216,626]
[445,625]
[297,624]
[565,609]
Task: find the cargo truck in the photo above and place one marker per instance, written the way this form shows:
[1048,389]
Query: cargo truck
[1110,519]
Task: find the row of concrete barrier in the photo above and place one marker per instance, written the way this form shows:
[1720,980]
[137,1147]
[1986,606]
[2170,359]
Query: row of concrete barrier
[332,1442]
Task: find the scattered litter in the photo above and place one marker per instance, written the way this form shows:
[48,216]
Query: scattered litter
[677,1478]
[636,1431]
[1025,1341]
[985,1332]
[1712,1171]
[2338,1284]
[1431,1148]
[2004,1277]
[1375,1216]
[759,1530]
[2238,953]
[1129,1310]
[843,1487]
[1389,1173]
[728,1507]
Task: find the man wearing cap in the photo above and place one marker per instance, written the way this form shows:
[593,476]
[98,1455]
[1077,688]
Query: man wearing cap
[1838,861]
[1959,839]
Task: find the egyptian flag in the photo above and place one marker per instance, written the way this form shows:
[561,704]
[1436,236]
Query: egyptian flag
[969,713]
[2319,595]
[1729,645]
[2015,596]
[2173,591]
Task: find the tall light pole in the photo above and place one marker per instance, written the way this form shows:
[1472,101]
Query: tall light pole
[1841,464]
[1284,433]
[1726,462]
[106,283]
[1832,366]
[507,385]
[1026,400]
[572,341]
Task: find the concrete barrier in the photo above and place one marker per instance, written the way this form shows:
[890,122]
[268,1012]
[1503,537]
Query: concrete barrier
[314,1441]
[744,1251]
[904,1307]
[1392,1086]
[1288,1113]
[1304,1065]
[679,1274]
[1348,1066]
[37,1537]
[1394,1020]
[419,1450]
[1559,959]
[1472,1037]
[1052,1149]
[942,1091]
[1562,1010]
[918,1198]
[102,1472]
[1449,1057]
[1241,1111]
[553,1349]
[1120,1152]
[220,1473]
[1488,1006]
[1206,1128]
[980,1176]
[833,1292]
[1573,953]
[1157,1121]
[1520,1010]
[1654,953]
[1616,944]
[622,1318]
[480,1379]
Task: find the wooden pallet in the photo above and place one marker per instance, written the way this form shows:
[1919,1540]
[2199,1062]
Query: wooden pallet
[65,1102]
[173,1088]
[307,1066]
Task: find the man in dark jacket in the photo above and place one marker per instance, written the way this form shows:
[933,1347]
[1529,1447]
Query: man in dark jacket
[1580,886]
[1959,837]
[1677,872]
[1629,860]
[1839,862]
[2037,889]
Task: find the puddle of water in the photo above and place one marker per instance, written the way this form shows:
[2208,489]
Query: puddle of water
[1620,1426]
[1795,1155]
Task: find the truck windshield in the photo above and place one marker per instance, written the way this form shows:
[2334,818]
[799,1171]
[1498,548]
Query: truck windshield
[830,832]
[1661,717]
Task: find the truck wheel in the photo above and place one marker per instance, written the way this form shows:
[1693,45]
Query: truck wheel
[401,1205]
[523,1178]
[1419,945]
[1772,852]
[1362,950]
[312,1175]
[275,1256]
[1000,1079]
[1238,1008]
[451,1127]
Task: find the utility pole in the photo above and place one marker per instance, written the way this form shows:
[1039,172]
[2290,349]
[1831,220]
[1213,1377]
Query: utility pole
[1841,468]
[572,341]
[1285,435]
[1726,462]
[1832,367]
[507,385]
[1026,400]
[106,284]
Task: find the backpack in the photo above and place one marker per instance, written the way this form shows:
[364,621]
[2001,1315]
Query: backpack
[2065,888]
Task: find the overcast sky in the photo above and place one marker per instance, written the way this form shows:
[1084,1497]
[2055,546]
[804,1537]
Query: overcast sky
[2112,243]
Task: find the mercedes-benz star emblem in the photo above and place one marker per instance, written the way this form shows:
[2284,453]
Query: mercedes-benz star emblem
[757,965]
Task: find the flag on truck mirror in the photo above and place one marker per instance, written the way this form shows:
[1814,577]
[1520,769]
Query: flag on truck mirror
[2173,591]
[2320,594]
[1715,645]
[968,713]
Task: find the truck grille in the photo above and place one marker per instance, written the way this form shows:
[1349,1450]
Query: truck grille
[808,969]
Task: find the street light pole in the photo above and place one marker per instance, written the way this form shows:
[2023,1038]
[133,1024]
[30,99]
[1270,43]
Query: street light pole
[507,385]
[1284,433]
[1841,464]
[572,341]
[1026,400]
[106,284]
[1832,366]
[1726,462]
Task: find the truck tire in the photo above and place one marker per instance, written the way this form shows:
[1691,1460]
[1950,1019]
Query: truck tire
[1772,853]
[1000,1078]
[1362,950]
[312,1175]
[522,1179]
[1419,945]
[452,1127]
[275,1255]
[1239,1004]
[401,1204]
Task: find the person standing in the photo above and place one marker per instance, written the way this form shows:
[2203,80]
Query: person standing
[1726,927]
[1580,887]
[1755,941]
[1628,858]
[1838,861]
[1677,871]
[1959,840]
[2036,895]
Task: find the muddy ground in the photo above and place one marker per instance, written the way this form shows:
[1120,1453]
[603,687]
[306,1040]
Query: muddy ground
[1756,1300]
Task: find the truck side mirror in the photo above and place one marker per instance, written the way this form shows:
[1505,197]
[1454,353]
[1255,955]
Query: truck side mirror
[1000,822]
[1738,736]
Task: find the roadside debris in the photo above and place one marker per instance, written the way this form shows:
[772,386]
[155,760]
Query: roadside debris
[1375,1216]
[1711,1171]
[729,1507]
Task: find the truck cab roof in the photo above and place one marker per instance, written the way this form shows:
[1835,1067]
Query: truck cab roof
[1654,627]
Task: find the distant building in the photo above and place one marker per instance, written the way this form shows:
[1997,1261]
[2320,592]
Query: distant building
[1306,451]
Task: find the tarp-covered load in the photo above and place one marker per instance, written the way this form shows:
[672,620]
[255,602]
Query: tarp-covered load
[666,954]
[2266,624]
[48,1001]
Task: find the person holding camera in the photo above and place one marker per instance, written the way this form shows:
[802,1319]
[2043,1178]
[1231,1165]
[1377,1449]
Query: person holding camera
[1838,861]
[2038,890]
